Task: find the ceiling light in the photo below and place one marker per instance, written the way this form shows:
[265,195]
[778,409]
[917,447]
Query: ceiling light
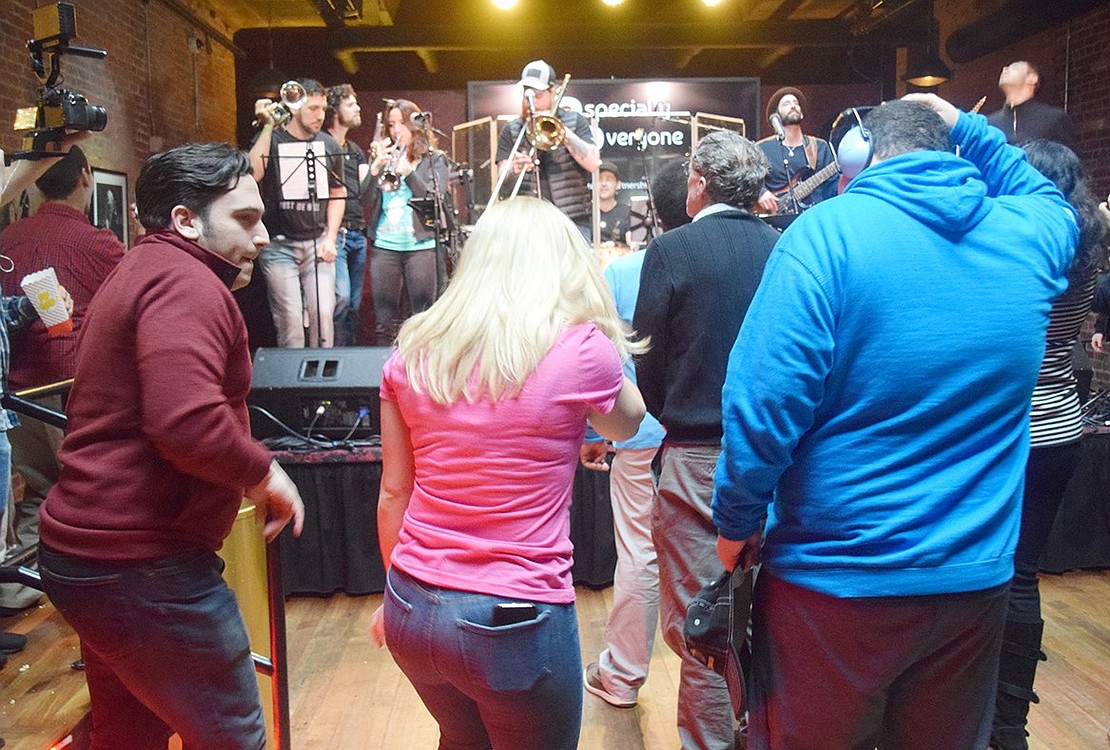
[928,71]
[612,2]
[711,3]
[504,4]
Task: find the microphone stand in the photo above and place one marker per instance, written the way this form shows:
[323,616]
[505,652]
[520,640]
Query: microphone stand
[533,153]
[309,161]
[790,185]
[441,225]
[508,166]
[652,218]
[314,201]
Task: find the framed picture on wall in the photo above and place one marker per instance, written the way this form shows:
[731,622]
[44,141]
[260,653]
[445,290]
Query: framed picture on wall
[109,203]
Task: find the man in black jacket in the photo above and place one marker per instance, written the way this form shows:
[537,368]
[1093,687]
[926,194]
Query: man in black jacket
[1023,118]
[696,285]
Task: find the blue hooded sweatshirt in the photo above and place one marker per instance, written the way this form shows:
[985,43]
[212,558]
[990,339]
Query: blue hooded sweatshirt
[879,388]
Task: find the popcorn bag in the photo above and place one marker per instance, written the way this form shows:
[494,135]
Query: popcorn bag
[42,289]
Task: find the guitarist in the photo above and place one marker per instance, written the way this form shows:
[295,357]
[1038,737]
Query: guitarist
[793,157]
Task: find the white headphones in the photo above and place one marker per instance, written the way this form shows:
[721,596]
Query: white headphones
[854,151]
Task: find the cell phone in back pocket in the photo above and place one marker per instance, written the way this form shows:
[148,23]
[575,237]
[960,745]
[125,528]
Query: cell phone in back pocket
[507,613]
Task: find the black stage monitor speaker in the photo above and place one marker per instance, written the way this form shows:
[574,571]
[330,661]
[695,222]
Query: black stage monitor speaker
[293,385]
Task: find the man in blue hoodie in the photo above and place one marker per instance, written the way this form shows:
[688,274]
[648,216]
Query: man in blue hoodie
[869,415]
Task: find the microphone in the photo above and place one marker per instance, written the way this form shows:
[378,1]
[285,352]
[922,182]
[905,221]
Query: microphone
[420,119]
[776,123]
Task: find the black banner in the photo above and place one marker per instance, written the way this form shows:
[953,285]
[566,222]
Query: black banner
[640,123]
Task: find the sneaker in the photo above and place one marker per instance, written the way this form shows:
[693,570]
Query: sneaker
[591,679]
[11,643]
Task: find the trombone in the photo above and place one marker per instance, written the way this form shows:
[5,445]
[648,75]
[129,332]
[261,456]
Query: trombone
[544,133]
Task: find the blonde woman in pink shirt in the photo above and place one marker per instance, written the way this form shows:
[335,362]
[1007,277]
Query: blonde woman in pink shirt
[484,405]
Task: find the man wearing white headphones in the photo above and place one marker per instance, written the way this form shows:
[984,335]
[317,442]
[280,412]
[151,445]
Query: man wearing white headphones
[875,440]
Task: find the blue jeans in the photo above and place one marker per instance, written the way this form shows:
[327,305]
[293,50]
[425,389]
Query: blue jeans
[508,686]
[12,595]
[5,489]
[165,651]
[350,272]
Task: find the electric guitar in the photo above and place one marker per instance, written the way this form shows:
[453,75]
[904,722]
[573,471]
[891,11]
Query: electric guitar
[803,189]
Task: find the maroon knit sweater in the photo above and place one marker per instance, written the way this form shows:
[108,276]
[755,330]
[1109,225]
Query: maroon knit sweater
[158,448]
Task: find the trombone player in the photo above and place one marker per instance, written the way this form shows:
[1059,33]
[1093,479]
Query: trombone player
[559,149]
[299,262]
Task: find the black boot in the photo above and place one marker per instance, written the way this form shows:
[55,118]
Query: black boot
[1017,666]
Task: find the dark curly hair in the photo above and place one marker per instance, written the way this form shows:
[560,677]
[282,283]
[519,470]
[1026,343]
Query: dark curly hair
[1060,164]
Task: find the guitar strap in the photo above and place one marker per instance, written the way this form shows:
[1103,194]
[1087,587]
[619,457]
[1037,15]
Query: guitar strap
[811,152]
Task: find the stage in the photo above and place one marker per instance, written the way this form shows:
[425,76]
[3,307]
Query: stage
[338,550]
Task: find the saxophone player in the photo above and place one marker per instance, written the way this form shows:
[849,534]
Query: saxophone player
[563,170]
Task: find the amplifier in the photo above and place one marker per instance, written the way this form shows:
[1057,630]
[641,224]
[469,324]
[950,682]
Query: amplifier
[328,392]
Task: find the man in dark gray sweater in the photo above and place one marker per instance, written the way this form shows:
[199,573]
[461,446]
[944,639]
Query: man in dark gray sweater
[696,285]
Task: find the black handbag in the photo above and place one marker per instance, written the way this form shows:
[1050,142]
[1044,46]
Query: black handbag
[710,636]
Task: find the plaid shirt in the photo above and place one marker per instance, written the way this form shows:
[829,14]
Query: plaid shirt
[60,237]
[16,312]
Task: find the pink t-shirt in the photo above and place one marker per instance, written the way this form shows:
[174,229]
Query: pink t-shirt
[490,503]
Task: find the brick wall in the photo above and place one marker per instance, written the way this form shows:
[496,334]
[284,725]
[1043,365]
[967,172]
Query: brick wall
[1075,70]
[158,92]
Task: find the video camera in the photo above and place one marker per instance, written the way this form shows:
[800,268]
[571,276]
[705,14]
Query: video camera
[58,110]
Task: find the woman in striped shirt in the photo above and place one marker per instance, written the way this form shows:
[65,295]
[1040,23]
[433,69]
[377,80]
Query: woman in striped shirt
[1055,430]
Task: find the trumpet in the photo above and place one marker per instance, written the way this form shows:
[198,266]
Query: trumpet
[388,179]
[292,97]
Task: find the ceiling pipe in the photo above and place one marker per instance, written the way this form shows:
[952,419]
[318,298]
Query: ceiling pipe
[1015,21]
[879,15]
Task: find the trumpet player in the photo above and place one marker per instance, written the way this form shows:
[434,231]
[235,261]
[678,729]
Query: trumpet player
[563,164]
[405,166]
[299,262]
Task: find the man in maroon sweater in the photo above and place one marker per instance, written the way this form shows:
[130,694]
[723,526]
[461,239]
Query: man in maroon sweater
[156,459]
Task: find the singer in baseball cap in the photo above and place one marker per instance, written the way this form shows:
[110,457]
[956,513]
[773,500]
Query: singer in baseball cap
[793,157]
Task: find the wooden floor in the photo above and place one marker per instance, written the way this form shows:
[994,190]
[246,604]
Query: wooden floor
[346,694]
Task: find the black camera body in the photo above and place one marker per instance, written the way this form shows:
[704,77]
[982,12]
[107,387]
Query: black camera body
[58,110]
[62,109]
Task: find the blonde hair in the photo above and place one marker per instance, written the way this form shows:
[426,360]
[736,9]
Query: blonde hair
[524,275]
